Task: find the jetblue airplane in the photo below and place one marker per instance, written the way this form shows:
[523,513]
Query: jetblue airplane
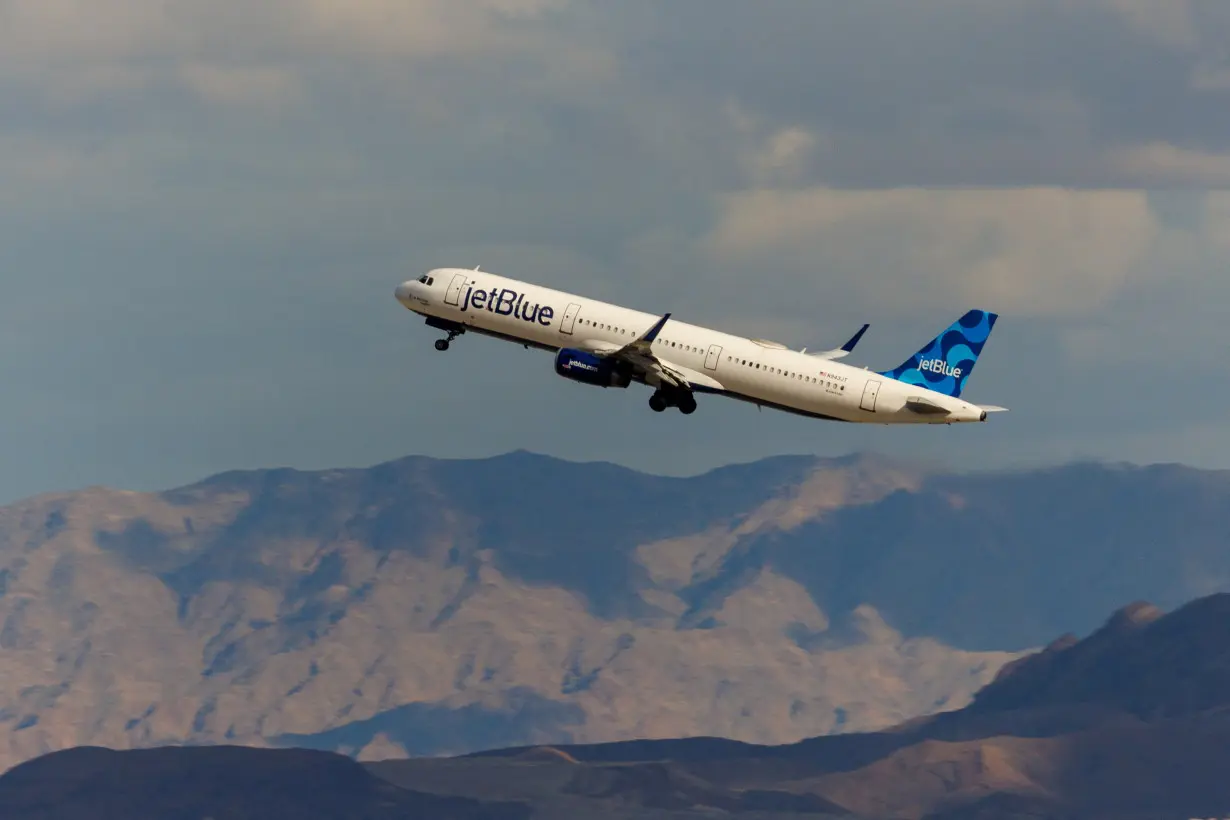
[601,344]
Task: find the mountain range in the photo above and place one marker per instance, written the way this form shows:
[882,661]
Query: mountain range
[429,606]
[1128,723]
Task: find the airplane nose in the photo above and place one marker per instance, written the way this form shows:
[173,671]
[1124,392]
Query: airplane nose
[402,292]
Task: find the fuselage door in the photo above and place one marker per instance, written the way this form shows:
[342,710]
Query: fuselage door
[570,317]
[453,295]
[869,395]
[713,357]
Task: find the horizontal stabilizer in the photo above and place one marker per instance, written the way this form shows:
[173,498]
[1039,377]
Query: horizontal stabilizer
[991,408]
[917,404]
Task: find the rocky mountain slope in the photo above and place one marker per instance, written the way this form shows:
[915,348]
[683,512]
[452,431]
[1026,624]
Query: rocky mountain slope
[1129,723]
[425,606]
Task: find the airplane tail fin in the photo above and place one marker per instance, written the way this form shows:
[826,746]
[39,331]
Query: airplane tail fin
[948,359]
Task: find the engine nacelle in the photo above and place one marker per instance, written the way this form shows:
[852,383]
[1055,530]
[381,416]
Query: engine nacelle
[590,369]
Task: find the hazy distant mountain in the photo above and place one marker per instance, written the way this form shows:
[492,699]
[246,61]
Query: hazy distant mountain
[428,606]
[1130,723]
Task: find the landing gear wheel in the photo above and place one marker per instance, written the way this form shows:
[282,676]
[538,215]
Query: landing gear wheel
[442,344]
[656,403]
[687,404]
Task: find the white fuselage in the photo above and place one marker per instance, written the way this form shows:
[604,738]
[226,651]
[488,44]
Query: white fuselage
[764,373]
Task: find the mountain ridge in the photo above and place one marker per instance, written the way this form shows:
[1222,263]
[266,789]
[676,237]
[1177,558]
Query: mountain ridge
[1005,755]
[384,610]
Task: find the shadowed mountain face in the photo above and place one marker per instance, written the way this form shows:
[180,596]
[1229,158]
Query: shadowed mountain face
[227,783]
[1128,723]
[426,606]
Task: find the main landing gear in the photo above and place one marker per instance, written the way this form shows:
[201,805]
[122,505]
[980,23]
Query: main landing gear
[661,400]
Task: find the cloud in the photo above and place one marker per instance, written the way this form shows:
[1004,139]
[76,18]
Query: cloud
[244,86]
[70,51]
[782,156]
[1169,21]
[1040,251]
[418,28]
[1160,164]
[1215,223]
[221,194]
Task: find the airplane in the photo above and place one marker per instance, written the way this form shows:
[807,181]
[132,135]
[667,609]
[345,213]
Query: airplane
[605,345]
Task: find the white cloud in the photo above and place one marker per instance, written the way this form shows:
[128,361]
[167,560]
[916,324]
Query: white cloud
[1215,221]
[71,49]
[1161,163]
[239,85]
[782,157]
[417,27]
[1034,250]
[1169,22]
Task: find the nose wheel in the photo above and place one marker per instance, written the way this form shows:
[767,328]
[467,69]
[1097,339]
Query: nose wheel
[442,344]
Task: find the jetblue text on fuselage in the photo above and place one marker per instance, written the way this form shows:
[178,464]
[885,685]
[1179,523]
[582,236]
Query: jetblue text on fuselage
[938,366]
[507,302]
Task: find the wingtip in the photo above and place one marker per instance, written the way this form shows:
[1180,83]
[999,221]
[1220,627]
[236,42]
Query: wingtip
[854,340]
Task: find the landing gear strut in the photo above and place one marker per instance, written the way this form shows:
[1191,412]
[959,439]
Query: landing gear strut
[685,401]
[442,344]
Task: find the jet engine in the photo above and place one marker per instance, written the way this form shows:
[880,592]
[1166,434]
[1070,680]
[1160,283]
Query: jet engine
[587,368]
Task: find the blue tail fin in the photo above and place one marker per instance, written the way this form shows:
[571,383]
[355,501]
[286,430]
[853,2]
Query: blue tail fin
[948,359]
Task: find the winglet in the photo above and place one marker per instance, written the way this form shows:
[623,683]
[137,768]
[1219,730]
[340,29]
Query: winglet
[845,349]
[653,332]
[848,346]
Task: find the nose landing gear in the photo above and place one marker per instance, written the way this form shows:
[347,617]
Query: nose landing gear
[452,328]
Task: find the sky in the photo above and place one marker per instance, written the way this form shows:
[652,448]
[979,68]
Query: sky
[205,206]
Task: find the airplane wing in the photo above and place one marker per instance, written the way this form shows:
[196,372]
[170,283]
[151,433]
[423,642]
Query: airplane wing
[844,350]
[639,353]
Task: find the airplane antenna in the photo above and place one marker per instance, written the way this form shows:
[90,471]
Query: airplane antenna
[476,267]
